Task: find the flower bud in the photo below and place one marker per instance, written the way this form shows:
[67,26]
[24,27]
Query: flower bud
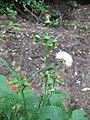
[30,85]
[22,76]
[14,87]
[8,83]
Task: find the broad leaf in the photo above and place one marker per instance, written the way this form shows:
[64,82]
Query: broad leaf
[59,95]
[32,101]
[51,113]
[79,115]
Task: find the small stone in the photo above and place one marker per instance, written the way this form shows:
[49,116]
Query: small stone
[1,49]
[13,63]
[85,89]
[29,58]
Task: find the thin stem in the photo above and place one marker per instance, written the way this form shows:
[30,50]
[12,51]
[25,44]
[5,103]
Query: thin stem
[40,102]
[45,87]
[39,71]
[46,61]
[24,104]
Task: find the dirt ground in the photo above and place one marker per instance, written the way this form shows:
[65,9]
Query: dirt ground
[17,48]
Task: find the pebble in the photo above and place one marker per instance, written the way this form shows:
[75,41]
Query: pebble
[29,58]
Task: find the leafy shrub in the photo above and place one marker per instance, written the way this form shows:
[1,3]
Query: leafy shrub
[10,9]
[7,8]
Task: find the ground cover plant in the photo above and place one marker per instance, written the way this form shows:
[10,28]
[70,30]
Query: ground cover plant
[17,96]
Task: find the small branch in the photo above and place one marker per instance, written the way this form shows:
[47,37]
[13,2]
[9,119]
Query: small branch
[33,14]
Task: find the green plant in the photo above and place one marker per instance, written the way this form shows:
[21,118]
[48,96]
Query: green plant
[2,7]
[10,12]
[14,26]
[55,22]
[74,25]
[32,6]
[10,25]
[17,97]
[40,7]
[7,8]
[55,14]
[73,3]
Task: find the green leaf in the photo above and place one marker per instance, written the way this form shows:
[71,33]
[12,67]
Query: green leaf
[31,100]
[46,39]
[6,107]
[9,67]
[47,20]
[49,46]
[37,36]
[36,40]
[69,111]
[56,99]
[51,113]
[61,95]
[2,25]
[79,115]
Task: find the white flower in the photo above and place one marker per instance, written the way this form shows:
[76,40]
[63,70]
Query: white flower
[67,58]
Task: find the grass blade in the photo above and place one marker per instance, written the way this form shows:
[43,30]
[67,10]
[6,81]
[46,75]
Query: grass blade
[9,67]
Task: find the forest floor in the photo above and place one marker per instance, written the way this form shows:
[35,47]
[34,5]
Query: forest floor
[18,49]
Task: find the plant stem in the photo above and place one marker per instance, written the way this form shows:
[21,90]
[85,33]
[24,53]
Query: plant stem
[45,88]
[24,104]
[46,61]
[40,102]
[43,69]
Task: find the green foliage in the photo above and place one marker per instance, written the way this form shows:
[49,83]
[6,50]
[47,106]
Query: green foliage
[55,22]
[69,24]
[14,26]
[2,7]
[8,98]
[11,26]
[51,113]
[6,92]
[26,2]
[10,12]
[55,14]
[40,7]
[7,8]
[79,115]
[31,100]
[6,107]
[73,3]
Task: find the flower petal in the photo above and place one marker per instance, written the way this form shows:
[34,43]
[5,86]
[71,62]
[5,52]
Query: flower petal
[62,55]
